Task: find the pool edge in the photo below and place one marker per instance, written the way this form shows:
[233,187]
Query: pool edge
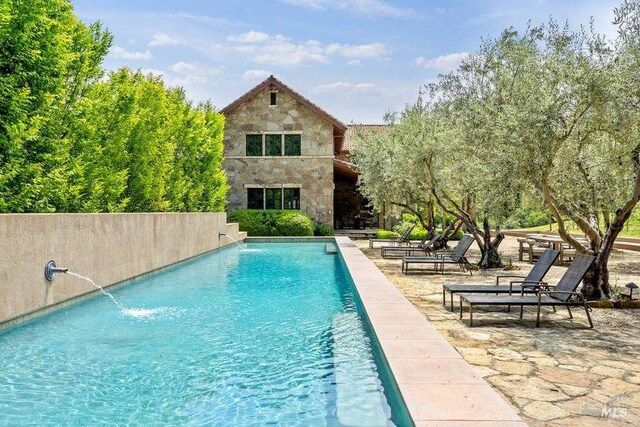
[434,381]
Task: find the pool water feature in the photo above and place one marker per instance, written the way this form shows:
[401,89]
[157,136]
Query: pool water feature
[270,334]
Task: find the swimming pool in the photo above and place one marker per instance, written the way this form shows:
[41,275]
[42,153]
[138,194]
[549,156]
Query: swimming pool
[272,333]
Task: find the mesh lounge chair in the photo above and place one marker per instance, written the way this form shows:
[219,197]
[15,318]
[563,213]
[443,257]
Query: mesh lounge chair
[423,246]
[404,238]
[537,273]
[456,257]
[563,294]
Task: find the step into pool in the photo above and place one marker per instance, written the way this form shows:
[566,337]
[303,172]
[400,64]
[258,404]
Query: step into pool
[266,334]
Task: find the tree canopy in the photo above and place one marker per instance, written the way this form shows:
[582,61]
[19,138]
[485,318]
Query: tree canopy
[73,140]
[549,112]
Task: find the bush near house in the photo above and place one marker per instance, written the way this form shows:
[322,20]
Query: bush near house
[322,230]
[273,222]
[416,234]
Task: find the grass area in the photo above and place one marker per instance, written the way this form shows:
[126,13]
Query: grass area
[631,228]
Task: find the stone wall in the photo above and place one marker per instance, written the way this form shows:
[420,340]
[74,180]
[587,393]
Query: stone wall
[109,248]
[312,171]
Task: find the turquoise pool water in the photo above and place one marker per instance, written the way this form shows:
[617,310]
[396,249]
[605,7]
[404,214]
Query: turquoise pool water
[266,335]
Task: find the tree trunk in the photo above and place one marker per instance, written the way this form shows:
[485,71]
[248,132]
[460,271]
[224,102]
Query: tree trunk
[489,248]
[596,282]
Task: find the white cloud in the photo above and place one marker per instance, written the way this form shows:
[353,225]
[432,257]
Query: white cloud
[356,7]
[178,74]
[250,37]
[193,69]
[442,63]
[256,74]
[354,63]
[279,50]
[121,53]
[346,87]
[162,39]
[371,50]
[491,16]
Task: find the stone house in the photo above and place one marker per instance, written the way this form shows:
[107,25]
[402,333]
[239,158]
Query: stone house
[282,151]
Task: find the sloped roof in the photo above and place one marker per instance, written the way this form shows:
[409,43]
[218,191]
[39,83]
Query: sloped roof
[271,81]
[349,142]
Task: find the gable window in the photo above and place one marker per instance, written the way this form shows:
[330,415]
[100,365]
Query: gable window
[273,145]
[255,198]
[292,145]
[254,145]
[291,198]
[273,198]
[273,97]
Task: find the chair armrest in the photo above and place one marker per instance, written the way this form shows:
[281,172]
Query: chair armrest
[579,294]
[501,277]
[533,284]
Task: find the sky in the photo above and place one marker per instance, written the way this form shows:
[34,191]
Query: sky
[357,59]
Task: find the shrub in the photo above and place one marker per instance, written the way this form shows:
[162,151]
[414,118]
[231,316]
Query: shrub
[273,222]
[414,235]
[321,230]
[386,234]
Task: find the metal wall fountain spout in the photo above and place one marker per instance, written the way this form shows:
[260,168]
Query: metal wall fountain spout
[220,234]
[50,269]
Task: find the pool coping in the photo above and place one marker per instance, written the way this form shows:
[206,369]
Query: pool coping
[438,386]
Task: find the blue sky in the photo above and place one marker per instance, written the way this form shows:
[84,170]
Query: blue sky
[356,58]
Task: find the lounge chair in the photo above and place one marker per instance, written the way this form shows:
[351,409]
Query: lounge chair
[563,294]
[529,284]
[456,257]
[404,238]
[423,246]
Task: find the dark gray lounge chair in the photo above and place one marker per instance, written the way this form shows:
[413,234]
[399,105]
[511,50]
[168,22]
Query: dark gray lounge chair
[404,238]
[423,247]
[456,257]
[531,281]
[563,294]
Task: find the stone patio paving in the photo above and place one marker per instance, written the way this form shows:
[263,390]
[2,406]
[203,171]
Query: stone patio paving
[561,374]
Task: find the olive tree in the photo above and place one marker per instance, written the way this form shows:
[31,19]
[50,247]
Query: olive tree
[560,110]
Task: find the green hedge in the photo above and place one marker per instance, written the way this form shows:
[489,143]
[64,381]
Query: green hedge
[273,222]
[416,234]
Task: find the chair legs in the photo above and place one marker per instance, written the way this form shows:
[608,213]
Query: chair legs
[570,314]
[586,310]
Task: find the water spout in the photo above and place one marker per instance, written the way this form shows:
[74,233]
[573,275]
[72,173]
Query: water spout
[50,269]
[220,234]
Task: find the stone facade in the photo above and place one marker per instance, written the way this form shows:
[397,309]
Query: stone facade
[312,171]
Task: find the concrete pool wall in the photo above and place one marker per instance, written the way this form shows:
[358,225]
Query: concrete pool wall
[109,248]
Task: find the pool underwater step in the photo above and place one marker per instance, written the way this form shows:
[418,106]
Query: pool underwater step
[330,249]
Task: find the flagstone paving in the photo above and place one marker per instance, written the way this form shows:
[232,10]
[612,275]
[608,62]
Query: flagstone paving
[561,374]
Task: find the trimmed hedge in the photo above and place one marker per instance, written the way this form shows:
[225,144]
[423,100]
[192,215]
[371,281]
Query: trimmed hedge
[414,235]
[273,222]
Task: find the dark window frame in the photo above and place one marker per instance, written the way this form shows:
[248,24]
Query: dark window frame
[259,199]
[255,202]
[291,196]
[268,198]
[293,140]
[252,145]
[273,98]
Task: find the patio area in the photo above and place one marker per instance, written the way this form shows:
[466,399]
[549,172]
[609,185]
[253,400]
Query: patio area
[561,374]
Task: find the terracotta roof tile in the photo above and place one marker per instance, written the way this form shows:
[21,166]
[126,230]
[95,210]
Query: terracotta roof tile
[349,142]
